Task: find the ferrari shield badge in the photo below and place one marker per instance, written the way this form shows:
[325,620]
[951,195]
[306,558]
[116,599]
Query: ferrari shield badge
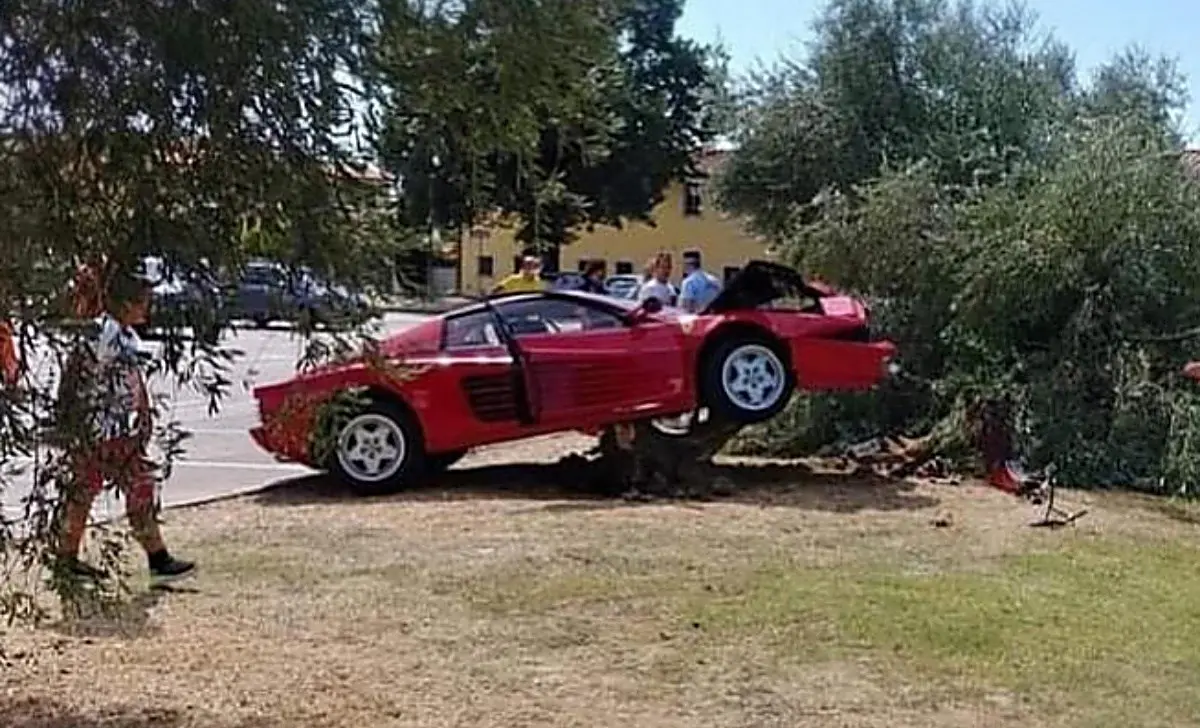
[687,322]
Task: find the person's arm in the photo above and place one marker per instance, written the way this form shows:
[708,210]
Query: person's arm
[136,381]
[499,286]
[8,354]
[688,300]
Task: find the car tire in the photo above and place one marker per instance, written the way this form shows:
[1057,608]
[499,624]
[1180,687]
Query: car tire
[745,380]
[442,461]
[379,450]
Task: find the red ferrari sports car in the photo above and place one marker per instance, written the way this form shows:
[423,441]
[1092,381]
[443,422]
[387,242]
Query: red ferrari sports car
[522,364]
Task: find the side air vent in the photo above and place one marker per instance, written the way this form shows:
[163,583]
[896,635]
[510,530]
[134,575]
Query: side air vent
[492,397]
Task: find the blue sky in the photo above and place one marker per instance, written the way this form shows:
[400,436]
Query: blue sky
[763,30]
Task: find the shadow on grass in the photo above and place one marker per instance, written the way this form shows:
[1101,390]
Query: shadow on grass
[129,619]
[46,713]
[40,713]
[571,480]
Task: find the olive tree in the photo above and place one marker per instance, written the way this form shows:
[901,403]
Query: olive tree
[198,132]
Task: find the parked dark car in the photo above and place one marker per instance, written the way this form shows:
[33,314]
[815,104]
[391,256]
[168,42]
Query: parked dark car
[266,292]
[567,282]
[184,299]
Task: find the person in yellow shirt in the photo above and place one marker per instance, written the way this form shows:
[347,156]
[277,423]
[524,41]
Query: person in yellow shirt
[529,278]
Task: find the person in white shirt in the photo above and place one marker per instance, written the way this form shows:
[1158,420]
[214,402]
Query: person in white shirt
[699,287]
[658,280]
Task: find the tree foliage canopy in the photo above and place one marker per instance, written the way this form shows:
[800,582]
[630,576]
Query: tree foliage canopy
[562,113]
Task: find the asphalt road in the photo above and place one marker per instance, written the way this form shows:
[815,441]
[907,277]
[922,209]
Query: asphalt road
[220,457]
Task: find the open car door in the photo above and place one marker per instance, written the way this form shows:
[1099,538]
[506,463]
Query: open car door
[527,402]
[586,365]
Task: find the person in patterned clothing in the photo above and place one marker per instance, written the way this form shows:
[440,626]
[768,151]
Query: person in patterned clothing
[112,398]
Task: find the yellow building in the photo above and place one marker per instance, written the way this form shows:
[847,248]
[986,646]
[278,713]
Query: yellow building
[685,220]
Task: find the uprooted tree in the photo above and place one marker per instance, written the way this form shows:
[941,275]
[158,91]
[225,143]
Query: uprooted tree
[198,133]
[1023,236]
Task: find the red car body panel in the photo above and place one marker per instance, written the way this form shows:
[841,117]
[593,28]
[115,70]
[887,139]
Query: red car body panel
[573,380]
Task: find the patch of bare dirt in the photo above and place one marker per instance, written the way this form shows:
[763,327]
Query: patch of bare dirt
[500,596]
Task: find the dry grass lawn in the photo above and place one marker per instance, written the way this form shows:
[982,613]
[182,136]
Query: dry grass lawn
[802,600]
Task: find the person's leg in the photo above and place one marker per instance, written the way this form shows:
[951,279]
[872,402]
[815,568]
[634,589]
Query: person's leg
[140,506]
[89,481]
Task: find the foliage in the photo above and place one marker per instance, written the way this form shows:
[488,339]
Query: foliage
[969,91]
[1020,234]
[561,113]
[203,133]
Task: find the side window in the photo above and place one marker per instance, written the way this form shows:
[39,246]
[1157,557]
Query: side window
[556,316]
[469,331]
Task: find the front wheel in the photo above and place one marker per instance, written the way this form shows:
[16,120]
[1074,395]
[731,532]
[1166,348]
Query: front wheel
[379,450]
[746,380]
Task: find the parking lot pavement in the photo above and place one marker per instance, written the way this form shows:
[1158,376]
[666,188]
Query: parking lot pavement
[220,457]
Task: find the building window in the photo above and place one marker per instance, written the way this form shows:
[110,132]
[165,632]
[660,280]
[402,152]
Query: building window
[691,199]
[486,265]
[583,264]
[516,264]
[731,271]
[624,268]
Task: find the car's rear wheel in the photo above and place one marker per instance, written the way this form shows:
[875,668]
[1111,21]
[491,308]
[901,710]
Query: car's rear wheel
[746,379]
[379,450]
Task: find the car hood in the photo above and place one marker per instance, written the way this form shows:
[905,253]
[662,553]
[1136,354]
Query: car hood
[760,282]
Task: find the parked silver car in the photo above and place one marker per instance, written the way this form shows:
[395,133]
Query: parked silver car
[623,285]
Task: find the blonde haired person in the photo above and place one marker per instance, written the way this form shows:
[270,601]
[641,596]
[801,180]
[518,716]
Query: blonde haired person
[658,280]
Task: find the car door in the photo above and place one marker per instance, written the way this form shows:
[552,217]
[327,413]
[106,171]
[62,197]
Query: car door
[480,390]
[586,364]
